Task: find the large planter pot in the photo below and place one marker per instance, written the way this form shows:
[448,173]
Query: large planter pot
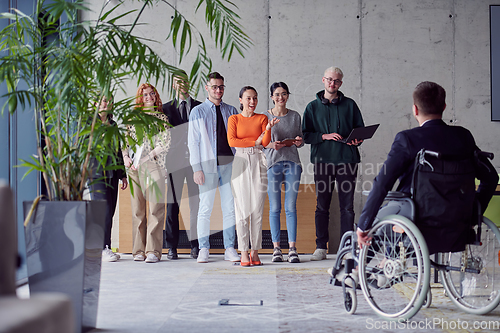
[64,241]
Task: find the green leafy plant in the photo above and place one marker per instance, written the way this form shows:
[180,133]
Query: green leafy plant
[60,66]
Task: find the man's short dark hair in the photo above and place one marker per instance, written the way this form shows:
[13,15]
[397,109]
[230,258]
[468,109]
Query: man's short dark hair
[215,75]
[430,98]
[180,73]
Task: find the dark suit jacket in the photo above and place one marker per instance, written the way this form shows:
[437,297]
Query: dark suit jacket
[433,135]
[178,154]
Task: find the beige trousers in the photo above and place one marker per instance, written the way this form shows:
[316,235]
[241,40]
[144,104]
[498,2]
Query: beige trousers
[249,186]
[147,227]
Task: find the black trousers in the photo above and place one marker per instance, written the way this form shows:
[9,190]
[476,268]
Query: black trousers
[106,189]
[175,184]
[325,175]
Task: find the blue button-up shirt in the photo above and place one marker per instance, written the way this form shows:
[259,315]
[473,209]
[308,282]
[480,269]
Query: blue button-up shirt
[202,135]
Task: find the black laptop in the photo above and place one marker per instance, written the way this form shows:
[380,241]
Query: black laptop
[360,133]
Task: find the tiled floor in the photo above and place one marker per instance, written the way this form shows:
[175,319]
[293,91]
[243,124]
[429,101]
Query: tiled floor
[184,296]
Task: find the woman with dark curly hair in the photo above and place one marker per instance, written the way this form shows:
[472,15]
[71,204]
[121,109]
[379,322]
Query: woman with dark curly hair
[146,168]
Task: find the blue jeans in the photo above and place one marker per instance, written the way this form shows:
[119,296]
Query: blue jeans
[221,179]
[288,173]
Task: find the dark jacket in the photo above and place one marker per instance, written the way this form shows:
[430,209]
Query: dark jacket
[434,135]
[118,173]
[178,154]
[338,118]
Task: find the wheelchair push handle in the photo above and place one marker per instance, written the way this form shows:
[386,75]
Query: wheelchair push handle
[432,153]
[479,153]
[485,154]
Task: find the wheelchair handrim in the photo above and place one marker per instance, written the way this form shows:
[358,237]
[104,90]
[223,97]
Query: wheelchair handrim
[423,277]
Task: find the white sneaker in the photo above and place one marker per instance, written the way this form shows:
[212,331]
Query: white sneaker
[203,255]
[381,281]
[355,276]
[341,274]
[108,255]
[139,257]
[277,255]
[381,278]
[231,255]
[152,258]
[319,254]
[293,256]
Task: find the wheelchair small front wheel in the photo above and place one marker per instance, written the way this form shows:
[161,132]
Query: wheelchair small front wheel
[428,300]
[395,268]
[350,301]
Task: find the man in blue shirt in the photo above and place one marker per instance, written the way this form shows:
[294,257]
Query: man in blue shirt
[211,159]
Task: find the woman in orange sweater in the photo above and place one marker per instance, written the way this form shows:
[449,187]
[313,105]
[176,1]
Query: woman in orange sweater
[249,132]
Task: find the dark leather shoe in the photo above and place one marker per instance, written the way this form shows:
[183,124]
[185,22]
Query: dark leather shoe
[194,252]
[172,254]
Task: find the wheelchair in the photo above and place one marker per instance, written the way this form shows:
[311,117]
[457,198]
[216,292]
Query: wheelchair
[395,269]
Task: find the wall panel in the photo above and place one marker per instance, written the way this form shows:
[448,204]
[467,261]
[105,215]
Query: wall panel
[384,48]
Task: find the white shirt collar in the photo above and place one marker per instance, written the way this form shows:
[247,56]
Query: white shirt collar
[425,122]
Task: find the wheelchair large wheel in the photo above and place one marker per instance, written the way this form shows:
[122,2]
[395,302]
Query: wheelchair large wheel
[395,268]
[476,293]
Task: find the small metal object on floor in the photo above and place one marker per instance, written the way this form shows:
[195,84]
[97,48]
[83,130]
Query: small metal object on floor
[226,301]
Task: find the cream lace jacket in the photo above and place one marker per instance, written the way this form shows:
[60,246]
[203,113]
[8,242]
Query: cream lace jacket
[161,140]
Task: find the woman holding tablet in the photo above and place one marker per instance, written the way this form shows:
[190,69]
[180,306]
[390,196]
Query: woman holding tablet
[284,167]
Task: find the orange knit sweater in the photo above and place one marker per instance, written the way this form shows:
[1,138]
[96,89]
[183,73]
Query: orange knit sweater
[242,131]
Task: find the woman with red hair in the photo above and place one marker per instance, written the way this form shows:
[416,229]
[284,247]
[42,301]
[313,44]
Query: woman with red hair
[145,165]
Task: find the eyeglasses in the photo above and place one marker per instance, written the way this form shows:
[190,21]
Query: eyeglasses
[215,87]
[284,94]
[151,94]
[330,80]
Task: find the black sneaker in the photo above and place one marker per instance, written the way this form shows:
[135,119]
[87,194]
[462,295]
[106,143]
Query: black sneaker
[194,252]
[293,256]
[172,254]
[277,255]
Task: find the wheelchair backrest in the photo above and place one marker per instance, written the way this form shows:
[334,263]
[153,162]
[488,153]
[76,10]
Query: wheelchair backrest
[443,189]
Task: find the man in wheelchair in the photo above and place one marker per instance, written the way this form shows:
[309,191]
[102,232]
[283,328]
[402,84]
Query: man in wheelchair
[435,209]
[444,204]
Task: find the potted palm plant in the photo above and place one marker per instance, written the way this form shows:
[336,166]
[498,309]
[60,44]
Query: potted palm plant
[58,66]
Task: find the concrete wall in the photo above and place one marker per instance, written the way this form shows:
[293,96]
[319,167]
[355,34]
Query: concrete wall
[384,47]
